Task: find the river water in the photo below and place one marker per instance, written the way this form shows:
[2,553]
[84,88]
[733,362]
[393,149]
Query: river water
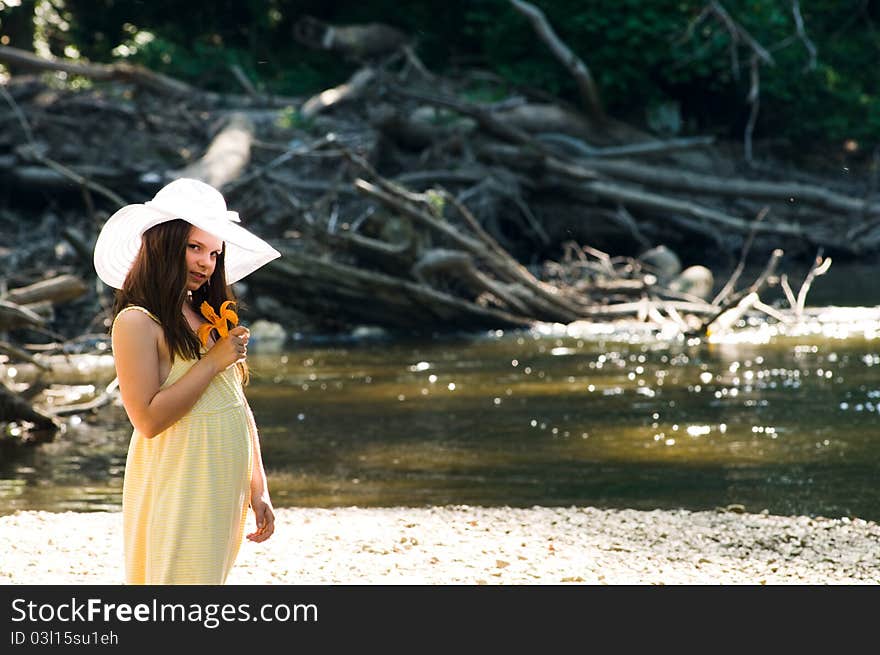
[559,416]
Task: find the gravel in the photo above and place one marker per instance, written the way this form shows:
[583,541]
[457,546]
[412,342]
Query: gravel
[455,545]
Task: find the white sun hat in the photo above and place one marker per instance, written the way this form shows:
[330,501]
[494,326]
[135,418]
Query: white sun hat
[197,203]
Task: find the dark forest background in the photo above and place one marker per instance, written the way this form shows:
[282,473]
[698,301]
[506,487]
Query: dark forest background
[475,167]
[818,99]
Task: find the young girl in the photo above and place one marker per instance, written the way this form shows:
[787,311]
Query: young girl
[194,464]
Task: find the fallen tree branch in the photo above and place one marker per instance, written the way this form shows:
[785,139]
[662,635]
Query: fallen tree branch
[321,285]
[744,300]
[644,199]
[505,267]
[137,75]
[820,267]
[227,155]
[350,90]
[68,173]
[82,368]
[734,278]
[583,78]
[726,187]
[13,315]
[649,148]
[14,408]
[22,355]
[107,396]
[353,41]
[60,288]
[485,118]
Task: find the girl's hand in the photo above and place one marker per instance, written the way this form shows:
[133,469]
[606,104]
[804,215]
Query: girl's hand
[230,349]
[265,518]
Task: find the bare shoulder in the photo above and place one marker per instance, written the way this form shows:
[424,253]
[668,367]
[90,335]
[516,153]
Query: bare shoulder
[135,329]
[138,319]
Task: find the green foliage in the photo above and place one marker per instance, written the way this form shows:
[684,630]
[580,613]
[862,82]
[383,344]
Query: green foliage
[641,53]
[436,202]
[199,40]
[485,92]
[622,42]
[290,118]
[834,101]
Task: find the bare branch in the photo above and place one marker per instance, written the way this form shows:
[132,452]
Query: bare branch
[138,75]
[350,90]
[738,33]
[70,174]
[786,287]
[754,99]
[731,283]
[28,132]
[802,33]
[820,267]
[583,77]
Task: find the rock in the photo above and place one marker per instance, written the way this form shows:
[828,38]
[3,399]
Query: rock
[368,332]
[349,546]
[694,280]
[267,305]
[665,118]
[267,336]
[662,261]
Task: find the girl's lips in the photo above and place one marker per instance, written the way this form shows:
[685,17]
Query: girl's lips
[199,277]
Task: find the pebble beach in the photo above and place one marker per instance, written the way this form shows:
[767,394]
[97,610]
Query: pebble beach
[467,545]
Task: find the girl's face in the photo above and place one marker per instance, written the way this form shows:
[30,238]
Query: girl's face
[202,250]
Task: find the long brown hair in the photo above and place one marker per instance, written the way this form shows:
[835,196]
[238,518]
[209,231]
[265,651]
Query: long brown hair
[157,282]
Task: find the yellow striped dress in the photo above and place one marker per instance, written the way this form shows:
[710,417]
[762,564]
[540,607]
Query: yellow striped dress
[186,491]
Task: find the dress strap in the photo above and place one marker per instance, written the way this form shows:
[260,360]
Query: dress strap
[138,308]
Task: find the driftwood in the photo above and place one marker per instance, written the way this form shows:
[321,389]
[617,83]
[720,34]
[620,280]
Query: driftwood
[62,369]
[455,251]
[227,155]
[351,41]
[707,185]
[32,379]
[17,354]
[57,289]
[324,285]
[351,90]
[13,408]
[548,121]
[139,76]
[13,315]
[105,397]
[580,72]
[468,177]
[398,200]
[28,373]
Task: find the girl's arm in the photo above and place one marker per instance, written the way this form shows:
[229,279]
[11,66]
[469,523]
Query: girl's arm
[136,352]
[260,501]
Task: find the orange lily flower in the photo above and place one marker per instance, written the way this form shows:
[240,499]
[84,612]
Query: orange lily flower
[216,322]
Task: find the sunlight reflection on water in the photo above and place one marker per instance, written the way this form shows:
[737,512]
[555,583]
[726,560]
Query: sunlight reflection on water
[553,416]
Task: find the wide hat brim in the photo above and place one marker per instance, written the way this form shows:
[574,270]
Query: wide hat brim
[120,240]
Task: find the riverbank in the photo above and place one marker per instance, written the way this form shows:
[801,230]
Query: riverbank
[476,545]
